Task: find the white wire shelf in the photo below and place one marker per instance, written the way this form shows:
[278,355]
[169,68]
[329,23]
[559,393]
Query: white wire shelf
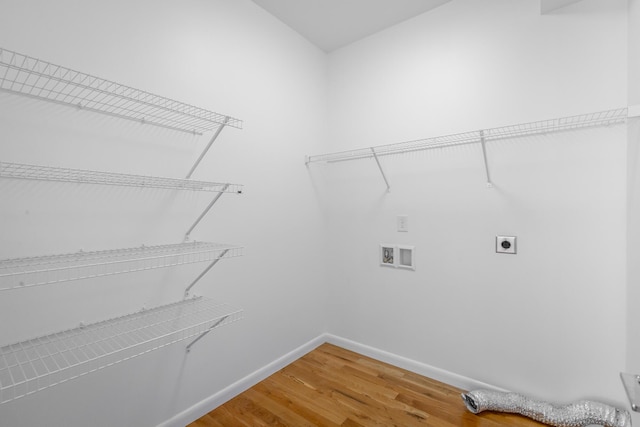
[80,176]
[36,271]
[36,364]
[601,118]
[32,77]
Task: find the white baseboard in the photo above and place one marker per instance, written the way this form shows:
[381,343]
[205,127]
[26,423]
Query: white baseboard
[411,365]
[205,406]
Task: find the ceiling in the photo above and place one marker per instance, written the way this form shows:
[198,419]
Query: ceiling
[548,6]
[332,24]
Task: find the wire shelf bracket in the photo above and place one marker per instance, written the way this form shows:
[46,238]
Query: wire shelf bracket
[199,337]
[193,168]
[375,156]
[590,120]
[206,149]
[24,75]
[19,273]
[33,365]
[484,157]
[203,214]
[205,271]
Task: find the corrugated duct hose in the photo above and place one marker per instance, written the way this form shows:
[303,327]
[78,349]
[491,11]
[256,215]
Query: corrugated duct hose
[578,414]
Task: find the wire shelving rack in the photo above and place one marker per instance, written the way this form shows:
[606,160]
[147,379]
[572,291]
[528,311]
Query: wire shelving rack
[36,364]
[601,118]
[25,75]
[18,273]
[81,176]
[39,363]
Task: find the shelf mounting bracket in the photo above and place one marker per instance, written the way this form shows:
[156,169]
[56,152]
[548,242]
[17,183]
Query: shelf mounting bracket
[204,152]
[199,337]
[375,156]
[205,271]
[484,157]
[207,209]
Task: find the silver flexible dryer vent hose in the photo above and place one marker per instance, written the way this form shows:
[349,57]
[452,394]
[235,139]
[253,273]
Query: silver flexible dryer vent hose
[578,414]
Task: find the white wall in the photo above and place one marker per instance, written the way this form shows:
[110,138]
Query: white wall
[227,56]
[633,249]
[634,51]
[633,190]
[550,321]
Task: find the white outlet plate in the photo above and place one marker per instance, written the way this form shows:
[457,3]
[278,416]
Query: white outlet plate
[403,223]
[506,245]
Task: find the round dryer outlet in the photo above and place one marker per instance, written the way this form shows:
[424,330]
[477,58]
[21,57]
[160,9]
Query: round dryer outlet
[506,244]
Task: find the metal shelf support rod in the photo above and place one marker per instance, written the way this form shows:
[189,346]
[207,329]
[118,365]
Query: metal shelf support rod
[375,156]
[202,215]
[211,141]
[199,337]
[484,156]
[205,271]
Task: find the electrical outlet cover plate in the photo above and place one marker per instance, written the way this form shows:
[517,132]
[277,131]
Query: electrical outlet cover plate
[506,244]
[403,223]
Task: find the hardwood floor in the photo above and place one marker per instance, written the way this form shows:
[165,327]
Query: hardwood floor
[331,386]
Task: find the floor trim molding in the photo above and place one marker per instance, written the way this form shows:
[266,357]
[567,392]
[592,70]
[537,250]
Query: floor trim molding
[410,364]
[205,406]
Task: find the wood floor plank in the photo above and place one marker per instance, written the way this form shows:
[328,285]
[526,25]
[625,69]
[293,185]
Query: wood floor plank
[330,378]
[227,416]
[351,423]
[364,389]
[368,377]
[355,360]
[213,422]
[367,415]
[250,414]
[307,396]
[335,387]
[205,421]
[328,360]
[286,415]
